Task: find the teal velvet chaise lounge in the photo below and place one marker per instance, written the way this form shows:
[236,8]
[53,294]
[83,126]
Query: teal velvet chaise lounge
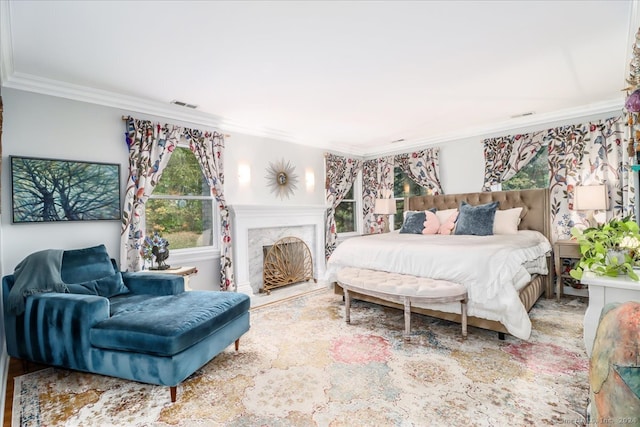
[137,326]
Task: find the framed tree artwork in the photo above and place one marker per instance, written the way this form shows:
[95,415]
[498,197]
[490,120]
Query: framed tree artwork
[48,190]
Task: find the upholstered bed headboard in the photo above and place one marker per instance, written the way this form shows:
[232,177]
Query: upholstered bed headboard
[537,215]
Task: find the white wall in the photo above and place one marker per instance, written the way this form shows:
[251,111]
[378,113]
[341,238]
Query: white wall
[462,166]
[462,161]
[50,127]
[257,153]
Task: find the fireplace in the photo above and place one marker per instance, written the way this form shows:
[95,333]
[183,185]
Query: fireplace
[255,226]
[286,262]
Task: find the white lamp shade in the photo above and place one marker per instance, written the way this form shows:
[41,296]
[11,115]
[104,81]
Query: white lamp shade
[384,207]
[590,197]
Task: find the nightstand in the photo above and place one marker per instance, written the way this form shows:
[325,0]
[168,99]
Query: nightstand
[563,249]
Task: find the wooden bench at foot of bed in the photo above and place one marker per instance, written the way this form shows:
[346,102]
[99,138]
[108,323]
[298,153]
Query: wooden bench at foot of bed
[403,289]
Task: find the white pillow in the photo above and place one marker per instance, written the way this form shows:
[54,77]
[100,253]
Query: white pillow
[506,221]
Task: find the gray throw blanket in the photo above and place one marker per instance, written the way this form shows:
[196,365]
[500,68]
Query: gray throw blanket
[38,272]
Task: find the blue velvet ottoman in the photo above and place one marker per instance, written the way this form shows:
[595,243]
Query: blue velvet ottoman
[173,335]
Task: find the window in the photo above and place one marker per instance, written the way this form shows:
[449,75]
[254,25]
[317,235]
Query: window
[534,175]
[181,206]
[345,213]
[403,186]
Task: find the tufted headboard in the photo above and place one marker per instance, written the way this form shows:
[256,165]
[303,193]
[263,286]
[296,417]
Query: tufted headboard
[537,215]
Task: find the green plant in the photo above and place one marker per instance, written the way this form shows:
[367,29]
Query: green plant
[609,249]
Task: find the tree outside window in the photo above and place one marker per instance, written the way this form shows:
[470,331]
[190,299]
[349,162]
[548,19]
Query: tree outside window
[403,186]
[345,213]
[534,175]
[181,206]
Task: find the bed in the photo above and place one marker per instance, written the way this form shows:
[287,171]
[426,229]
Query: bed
[504,274]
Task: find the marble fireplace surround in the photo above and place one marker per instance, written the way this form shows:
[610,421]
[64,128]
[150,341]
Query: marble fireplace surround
[258,225]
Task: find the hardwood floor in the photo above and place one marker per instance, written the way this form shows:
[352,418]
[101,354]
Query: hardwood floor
[16,368]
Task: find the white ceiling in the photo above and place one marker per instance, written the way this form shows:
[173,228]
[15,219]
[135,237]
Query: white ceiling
[352,76]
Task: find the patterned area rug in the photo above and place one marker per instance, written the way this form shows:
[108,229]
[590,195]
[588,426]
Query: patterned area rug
[302,365]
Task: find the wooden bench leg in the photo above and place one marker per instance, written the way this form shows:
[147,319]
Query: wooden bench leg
[173,390]
[237,344]
[347,306]
[464,318]
[407,318]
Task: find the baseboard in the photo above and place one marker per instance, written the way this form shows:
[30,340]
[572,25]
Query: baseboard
[245,288]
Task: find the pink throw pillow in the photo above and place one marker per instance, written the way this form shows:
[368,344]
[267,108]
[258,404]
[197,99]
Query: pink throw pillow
[432,224]
[447,226]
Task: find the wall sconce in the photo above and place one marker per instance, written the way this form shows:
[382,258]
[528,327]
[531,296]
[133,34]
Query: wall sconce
[310,180]
[244,174]
[590,198]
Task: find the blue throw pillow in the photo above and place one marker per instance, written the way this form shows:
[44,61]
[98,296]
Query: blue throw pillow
[84,265]
[107,287]
[476,220]
[414,222]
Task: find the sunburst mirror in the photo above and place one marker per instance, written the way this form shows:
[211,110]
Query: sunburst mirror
[281,178]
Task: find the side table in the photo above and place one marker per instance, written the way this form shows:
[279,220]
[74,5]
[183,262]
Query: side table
[185,272]
[563,249]
[602,291]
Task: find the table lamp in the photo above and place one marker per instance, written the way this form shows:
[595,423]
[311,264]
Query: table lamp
[590,198]
[385,207]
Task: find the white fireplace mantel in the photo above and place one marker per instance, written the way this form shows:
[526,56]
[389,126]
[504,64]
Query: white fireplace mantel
[247,217]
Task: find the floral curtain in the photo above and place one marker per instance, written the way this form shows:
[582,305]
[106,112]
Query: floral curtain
[208,148]
[506,155]
[150,147]
[588,154]
[423,167]
[341,173]
[377,174]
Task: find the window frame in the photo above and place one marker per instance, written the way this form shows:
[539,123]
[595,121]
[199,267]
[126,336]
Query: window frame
[197,251]
[403,199]
[357,201]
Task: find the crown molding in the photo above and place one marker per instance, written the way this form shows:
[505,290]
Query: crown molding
[56,88]
[41,85]
[508,127]
[75,92]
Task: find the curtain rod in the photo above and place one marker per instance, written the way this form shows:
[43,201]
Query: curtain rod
[226,135]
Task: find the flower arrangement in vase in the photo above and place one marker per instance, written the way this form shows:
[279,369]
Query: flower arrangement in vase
[156,247]
[609,249]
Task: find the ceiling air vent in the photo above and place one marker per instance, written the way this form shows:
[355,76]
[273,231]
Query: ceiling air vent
[184,104]
[529,113]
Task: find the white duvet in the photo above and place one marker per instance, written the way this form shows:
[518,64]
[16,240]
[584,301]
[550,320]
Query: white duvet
[492,268]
